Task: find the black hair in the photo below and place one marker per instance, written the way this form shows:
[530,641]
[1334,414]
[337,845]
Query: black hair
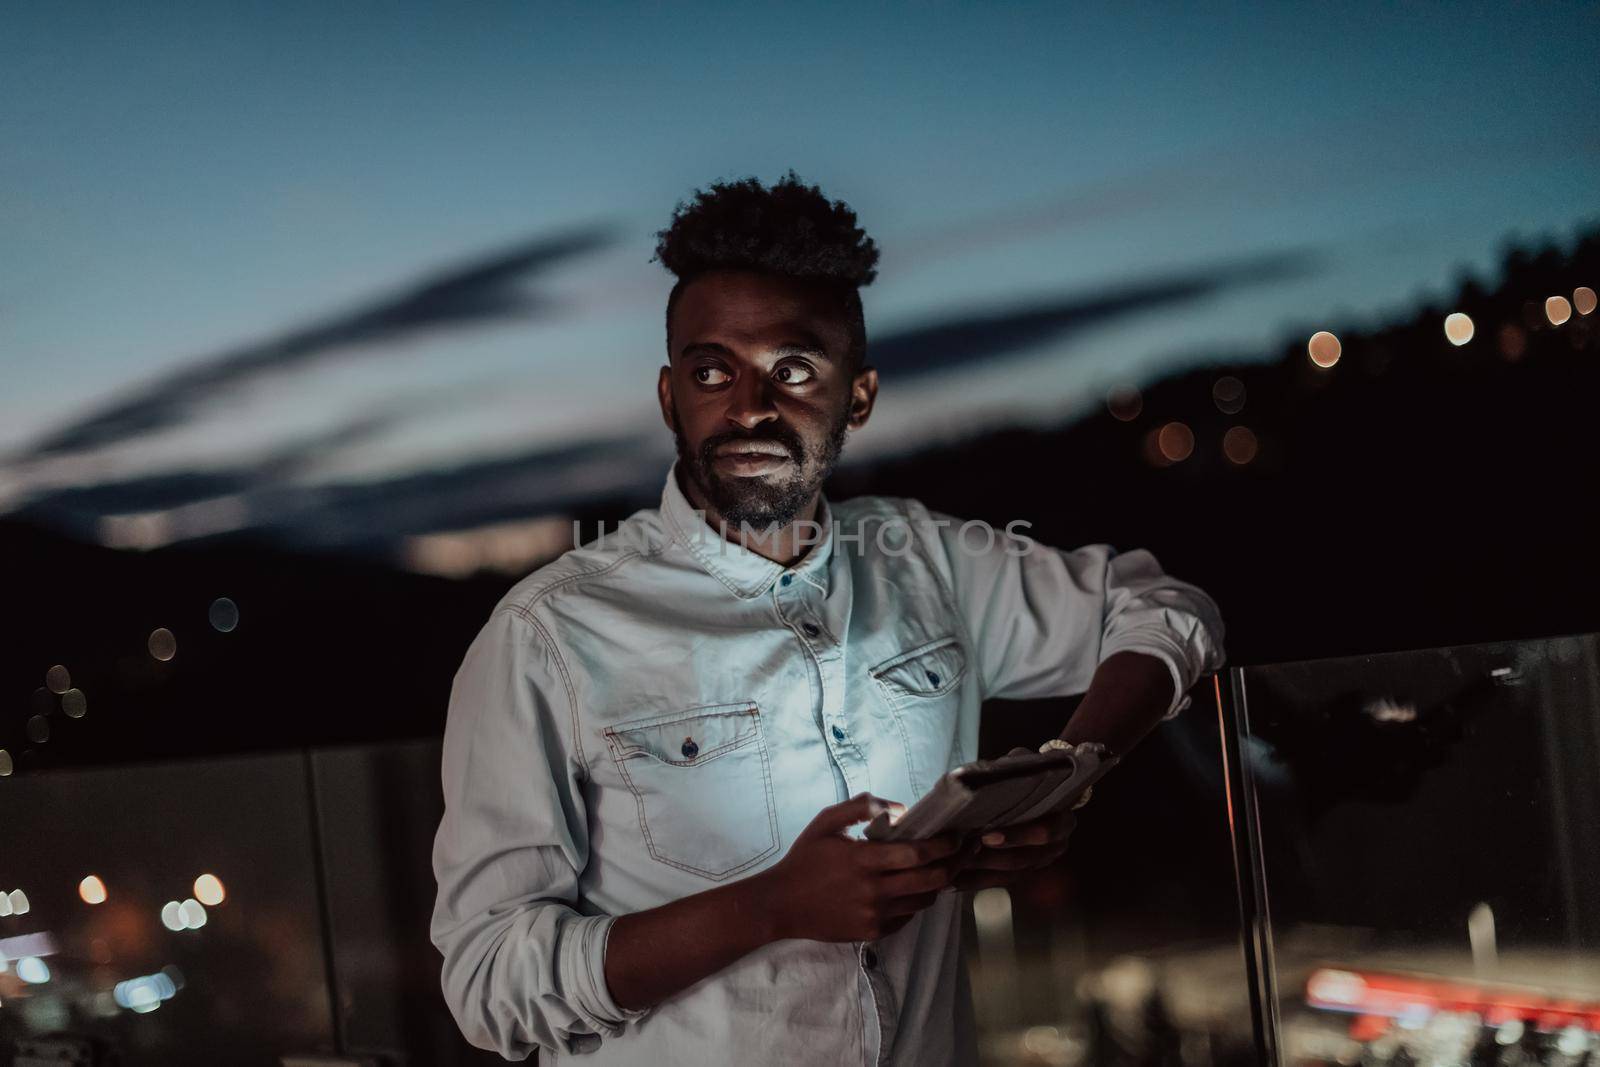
[790,230]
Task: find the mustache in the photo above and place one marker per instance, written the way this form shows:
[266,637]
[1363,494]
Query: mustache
[781,435]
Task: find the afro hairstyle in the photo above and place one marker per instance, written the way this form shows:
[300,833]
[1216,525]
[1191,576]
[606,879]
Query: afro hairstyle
[790,230]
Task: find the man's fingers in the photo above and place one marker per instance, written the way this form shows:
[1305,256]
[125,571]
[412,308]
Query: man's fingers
[902,855]
[863,807]
[1039,832]
[916,880]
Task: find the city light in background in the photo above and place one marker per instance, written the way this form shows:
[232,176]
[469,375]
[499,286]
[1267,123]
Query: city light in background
[223,615]
[1324,349]
[187,914]
[162,644]
[208,890]
[1239,445]
[1458,328]
[1125,403]
[1228,395]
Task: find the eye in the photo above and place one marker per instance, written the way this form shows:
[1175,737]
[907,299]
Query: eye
[710,375]
[794,374]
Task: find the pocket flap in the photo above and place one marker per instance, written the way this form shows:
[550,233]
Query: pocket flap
[927,670]
[687,737]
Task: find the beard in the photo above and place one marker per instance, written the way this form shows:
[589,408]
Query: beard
[769,501]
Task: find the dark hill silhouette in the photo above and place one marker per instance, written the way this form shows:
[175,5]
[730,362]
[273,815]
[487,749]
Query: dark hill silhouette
[1414,494]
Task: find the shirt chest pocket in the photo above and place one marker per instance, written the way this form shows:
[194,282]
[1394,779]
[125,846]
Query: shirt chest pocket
[922,687]
[703,786]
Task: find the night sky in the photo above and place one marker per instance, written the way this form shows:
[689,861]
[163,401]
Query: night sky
[262,250]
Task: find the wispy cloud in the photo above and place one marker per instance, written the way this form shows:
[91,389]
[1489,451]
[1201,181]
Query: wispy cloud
[279,495]
[988,335]
[374,515]
[490,288]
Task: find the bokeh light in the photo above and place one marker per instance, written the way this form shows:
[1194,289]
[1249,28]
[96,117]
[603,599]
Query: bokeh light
[1239,445]
[1046,1044]
[57,679]
[74,704]
[1458,328]
[1583,299]
[1324,348]
[145,993]
[6,766]
[32,969]
[138,996]
[92,890]
[38,729]
[172,915]
[1124,403]
[208,890]
[1176,442]
[991,908]
[1558,309]
[193,913]
[224,615]
[1228,395]
[18,901]
[163,646]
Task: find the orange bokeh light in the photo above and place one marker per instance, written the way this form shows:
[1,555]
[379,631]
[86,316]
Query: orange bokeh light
[1239,445]
[1324,348]
[1176,442]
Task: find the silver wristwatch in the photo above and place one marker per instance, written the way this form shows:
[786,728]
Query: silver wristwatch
[1056,744]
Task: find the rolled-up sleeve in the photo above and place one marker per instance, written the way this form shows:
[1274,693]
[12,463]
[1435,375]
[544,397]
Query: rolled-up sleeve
[1043,618]
[523,967]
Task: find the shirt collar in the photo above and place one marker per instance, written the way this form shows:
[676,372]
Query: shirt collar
[748,574]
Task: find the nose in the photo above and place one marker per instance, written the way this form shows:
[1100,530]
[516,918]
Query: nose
[750,402]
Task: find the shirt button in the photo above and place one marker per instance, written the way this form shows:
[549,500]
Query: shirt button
[869,958]
[811,629]
[786,579]
[838,734]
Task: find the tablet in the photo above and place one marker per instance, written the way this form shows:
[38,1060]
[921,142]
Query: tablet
[989,794]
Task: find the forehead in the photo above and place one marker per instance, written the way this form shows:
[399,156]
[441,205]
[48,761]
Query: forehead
[744,308]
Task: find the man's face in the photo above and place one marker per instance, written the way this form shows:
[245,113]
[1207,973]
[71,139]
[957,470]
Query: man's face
[758,392]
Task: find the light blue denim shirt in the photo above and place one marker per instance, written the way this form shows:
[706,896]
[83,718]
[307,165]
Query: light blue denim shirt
[662,711]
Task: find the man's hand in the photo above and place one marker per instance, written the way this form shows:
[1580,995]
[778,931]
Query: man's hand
[830,887]
[1002,857]
[1005,856]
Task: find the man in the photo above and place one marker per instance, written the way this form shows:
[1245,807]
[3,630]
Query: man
[660,745]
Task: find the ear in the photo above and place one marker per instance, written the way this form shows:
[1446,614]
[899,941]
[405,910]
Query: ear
[863,394]
[669,414]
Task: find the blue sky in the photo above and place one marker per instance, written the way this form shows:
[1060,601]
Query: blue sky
[185,182]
